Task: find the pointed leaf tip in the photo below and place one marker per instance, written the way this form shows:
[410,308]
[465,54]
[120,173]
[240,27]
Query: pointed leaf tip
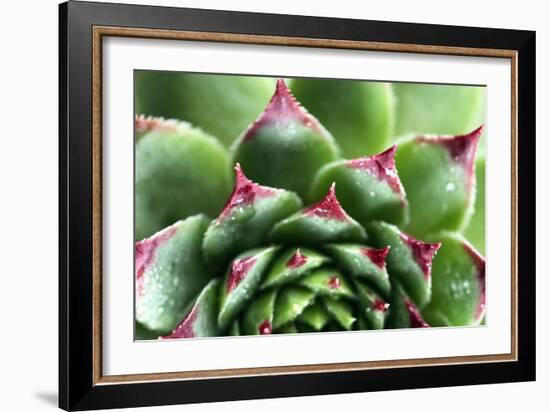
[329,207]
[239,270]
[281,86]
[239,174]
[265,328]
[334,282]
[283,103]
[324,221]
[462,150]
[281,109]
[387,157]
[380,306]
[296,260]
[244,192]
[463,147]
[423,253]
[377,256]
[381,166]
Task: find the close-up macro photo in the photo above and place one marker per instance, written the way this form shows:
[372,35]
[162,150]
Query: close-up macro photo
[267,206]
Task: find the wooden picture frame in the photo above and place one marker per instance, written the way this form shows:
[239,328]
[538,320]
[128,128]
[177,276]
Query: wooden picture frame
[82,28]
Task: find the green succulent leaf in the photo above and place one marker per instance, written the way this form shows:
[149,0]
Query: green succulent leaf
[234,329]
[409,260]
[247,218]
[341,310]
[242,280]
[170,178]
[458,284]
[170,272]
[286,146]
[363,262]
[322,222]
[441,169]
[258,317]
[368,188]
[142,333]
[201,321]
[290,304]
[403,311]
[374,309]
[328,281]
[315,316]
[221,105]
[292,265]
[360,115]
[475,232]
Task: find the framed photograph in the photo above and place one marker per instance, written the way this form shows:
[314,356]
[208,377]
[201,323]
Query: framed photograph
[256,205]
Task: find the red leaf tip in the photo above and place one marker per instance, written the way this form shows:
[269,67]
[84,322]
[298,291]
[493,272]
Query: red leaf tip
[329,207]
[377,256]
[281,87]
[239,270]
[296,260]
[239,175]
[282,109]
[382,167]
[244,193]
[334,282]
[387,157]
[265,328]
[423,253]
[380,306]
[462,150]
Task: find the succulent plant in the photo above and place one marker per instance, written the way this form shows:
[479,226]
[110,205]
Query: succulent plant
[308,240]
